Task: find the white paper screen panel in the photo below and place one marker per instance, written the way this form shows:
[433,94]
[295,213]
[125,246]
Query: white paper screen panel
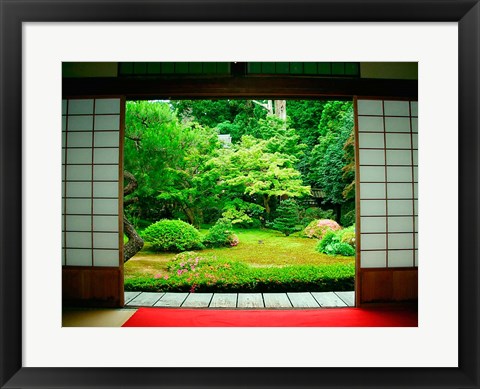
[388,184]
[90,182]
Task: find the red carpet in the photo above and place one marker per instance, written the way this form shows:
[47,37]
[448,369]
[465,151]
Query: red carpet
[332,317]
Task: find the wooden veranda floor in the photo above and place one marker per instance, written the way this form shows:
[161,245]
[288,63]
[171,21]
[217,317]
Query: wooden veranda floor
[241,300]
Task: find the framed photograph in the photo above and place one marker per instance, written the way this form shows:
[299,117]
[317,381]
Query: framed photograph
[38,37]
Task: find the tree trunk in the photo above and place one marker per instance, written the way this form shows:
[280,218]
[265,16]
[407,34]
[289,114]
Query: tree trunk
[135,242]
[281,109]
[338,209]
[190,215]
[266,203]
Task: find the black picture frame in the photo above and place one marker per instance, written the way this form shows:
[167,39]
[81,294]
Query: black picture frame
[14,13]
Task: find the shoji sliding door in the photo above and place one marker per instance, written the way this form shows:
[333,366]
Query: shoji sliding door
[92,227]
[387,200]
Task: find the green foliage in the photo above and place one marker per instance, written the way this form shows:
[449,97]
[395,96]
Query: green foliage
[221,235]
[348,218]
[243,214]
[328,158]
[287,219]
[210,274]
[168,160]
[172,235]
[251,170]
[347,235]
[331,244]
[319,228]
[187,261]
[308,215]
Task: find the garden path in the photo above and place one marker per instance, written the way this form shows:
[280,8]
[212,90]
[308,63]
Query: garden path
[241,300]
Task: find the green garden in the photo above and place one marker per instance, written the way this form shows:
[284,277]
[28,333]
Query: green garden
[239,196]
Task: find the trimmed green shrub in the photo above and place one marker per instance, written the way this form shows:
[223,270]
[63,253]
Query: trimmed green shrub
[332,245]
[221,235]
[348,218]
[173,236]
[287,219]
[318,228]
[310,214]
[214,275]
[347,235]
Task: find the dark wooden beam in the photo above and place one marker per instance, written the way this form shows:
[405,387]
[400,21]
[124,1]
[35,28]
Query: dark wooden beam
[240,87]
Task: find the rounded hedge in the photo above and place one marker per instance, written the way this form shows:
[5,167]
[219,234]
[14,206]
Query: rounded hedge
[172,235]
[221,235]
[318,228]
[332,245]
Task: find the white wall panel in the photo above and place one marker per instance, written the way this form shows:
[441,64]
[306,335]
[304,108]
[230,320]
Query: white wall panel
[79,156]
[105,240]
[78,173]
[399,157]
[107,122]
[80,123]
[103,106]
[90,188]
[78,223]
[396,108]
[373,224]
[78,257]
[372,173]
[373,207]
[401,224]
[105,172]
[400,241]
[371,259]
[400,258]
[373,241]
[372,191]
[372,157]
[370,107]
[397,124]
[387,143]
[79,189]
[105,206]
[399,174]
[105,223]
[399,191]
[370,124]
[106,257]
[398,141]
[80,106]
[372,140]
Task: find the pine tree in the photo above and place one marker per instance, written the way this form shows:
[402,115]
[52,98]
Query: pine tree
[287,220]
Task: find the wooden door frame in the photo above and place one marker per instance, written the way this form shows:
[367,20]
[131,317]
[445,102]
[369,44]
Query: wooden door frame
[242,87]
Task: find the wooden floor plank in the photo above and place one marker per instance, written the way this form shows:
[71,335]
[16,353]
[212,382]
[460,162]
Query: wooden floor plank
[224,300]
[129,296]
[172,300]
[276,300]
[145,299]
[197,300]
[347,297]
[328,299]
[302,300]
[250,300]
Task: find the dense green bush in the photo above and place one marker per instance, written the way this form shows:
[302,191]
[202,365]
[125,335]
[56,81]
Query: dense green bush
[347,235]
[318,228]
[331,244]
[213,275]
[308,215]
[221,235]
[348,217]
[287,218]
[172,235]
